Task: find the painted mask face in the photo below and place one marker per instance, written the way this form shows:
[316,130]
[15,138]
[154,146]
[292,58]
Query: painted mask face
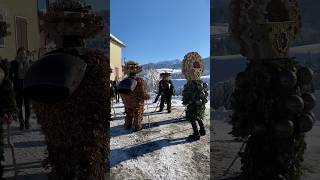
[192,66]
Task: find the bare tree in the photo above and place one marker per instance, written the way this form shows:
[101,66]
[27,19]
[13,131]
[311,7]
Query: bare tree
[152,77]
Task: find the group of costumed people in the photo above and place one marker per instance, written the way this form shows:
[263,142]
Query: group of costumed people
[133,92]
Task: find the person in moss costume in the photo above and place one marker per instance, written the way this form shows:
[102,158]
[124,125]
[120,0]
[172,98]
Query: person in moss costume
[76,128]
[271,104]
[134,101]
[195,93]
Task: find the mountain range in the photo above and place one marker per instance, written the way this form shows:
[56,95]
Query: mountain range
[175,64]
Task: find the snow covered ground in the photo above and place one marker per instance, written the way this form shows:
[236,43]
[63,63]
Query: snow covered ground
[160,150]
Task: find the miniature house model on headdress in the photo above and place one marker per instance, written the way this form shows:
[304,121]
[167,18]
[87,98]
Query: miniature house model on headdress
[192,66]
[132,67]
[70,19]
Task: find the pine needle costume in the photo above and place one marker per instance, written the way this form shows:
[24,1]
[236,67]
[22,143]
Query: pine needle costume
[70,87]
[7,97]
[134,100]
[271,104]
[195,93]
[166,90]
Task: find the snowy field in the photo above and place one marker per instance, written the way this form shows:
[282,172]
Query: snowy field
[225,148]
[160,150]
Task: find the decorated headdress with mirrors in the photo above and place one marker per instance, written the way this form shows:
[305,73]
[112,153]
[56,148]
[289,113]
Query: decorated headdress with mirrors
[192,66]
[265,29]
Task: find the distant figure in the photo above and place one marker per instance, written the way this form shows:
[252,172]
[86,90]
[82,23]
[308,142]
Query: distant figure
[133,92]
[166,90]
[116,93]
[112,91]
[18,70]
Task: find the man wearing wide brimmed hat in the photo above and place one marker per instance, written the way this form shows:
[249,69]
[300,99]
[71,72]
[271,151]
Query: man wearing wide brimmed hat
[134,98]
[166,91]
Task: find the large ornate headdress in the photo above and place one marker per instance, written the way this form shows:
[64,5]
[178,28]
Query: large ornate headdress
[192,66]
[70,18]
[132,67]
[265,29]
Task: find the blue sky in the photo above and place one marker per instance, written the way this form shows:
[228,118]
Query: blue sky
[159,30]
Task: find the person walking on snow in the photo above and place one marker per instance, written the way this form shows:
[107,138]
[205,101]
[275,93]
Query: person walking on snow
[166,90]
[18,70]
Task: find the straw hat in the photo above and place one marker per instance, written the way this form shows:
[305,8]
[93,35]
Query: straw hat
[132,67]
[165,74]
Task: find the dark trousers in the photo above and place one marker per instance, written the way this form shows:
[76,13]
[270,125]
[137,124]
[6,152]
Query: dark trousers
[167,99]
[195,128]
[22,100]
[117,96]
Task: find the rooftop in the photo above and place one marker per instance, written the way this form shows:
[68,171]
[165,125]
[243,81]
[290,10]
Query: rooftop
[114,38]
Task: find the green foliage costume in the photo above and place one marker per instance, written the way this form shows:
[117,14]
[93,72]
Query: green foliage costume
[272,103]
[195,93]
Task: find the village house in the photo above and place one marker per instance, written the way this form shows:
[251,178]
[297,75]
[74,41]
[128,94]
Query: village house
[23,26]
[116,58]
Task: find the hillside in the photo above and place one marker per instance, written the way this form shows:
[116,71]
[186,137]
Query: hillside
[175,64]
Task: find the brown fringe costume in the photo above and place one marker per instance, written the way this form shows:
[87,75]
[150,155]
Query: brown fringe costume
[134,104]
[77,129]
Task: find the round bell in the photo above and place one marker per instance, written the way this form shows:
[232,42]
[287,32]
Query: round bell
[312,115]
[284,129]
[288,79]
[259,129]
[54,77]
[309,101]
[305,75]
[295,103]
[306,122]
[241,79]
[2,75]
